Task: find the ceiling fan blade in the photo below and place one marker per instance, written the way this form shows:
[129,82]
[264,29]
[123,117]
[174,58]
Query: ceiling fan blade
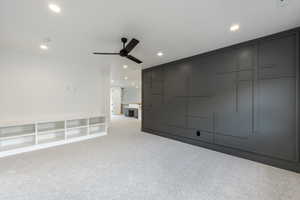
[98,53]
[134,59]
[131,45]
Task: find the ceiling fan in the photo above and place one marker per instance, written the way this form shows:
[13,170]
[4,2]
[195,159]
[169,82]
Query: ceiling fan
[125,51]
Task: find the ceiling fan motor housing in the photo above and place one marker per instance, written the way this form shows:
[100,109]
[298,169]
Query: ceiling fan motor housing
[124,40]
[123,53]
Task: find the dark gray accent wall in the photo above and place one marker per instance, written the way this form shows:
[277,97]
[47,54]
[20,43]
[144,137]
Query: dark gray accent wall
[242,100]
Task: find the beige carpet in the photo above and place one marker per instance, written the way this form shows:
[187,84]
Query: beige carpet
[128,164]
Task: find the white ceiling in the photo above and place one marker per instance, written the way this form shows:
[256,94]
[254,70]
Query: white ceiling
[178,28]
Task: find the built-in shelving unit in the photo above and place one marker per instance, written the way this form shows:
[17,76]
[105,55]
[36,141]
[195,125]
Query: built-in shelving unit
[28,137]
[49,137]
[78,132]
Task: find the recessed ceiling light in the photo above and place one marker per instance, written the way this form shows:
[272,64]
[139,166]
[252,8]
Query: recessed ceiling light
[112,81]
[44,47]
[54,7]
[160,54]
[125,66]
[126,78]
[234,27]
[137,87]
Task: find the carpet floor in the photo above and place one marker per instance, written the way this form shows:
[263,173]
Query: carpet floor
[130,165]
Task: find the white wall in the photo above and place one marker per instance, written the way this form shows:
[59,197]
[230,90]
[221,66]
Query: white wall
[131,95]
[116,97]
[35,87]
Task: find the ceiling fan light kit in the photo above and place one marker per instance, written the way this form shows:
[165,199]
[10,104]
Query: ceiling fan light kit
[126,50]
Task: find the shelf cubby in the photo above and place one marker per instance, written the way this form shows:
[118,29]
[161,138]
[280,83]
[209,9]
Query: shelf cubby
[17,131]
[18,142]
[79,132]
[75,123]
[51,137]
[96,129]
[50,126]
[96,120]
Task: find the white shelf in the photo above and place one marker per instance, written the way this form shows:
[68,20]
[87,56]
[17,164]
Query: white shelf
[15,143]
[79,127]
[10,123]
[16,146]
[99,124]
[16,136]
[96,132]
[50,140]
[50,131]
[24,149]
[76,135]
[38,135]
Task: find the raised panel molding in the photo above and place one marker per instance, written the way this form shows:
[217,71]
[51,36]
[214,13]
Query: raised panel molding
[157,74]
[146,87]
[147,76]
[275,126]
[175,80]
[242,100]
[175,112]
[201,123]
[226,61]
[201,79]
[200,106]
[277,57]
[157,87]
[246,56]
